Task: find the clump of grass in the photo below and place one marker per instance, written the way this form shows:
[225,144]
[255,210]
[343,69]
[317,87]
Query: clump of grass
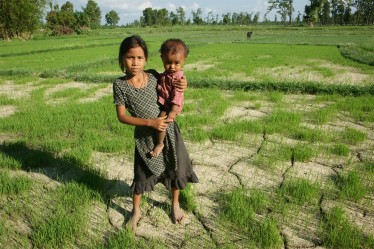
[236,208]
[300,192]
[9,162]
[280,121]
[351,186]
[187,198]
[275,97]
[122,239]
[353,136]
[336,231]
[234,131]
[368,167]
[340,149]
[5,100]
[361,107]
[302,153]
[13,185]
[240,208]
[266,234]
[67,218]
[309,135]
[324,115]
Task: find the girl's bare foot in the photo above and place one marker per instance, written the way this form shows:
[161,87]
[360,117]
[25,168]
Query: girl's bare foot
[177,215]
[157,150]
[132,223]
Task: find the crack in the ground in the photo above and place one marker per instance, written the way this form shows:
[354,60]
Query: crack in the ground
[285,242]
[336,167]
[206,228]
[288,169]
[359,156]
[243,158]
[235,174]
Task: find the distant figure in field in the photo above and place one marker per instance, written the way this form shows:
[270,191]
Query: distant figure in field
[249,34]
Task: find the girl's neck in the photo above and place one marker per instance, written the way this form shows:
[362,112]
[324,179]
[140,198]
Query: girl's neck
[138,80]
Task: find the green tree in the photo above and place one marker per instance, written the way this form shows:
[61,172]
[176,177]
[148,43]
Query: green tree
[173,18]
[226,18]
[256,18]
[284,8]
[313,12]
[365,11]
[325,14]
[162,17]
[20,18]
[112,18]
[149,17]
[82,19]
[62,21]
[197,16]
[93,14]
[347,16]
[67,16]
[181,15]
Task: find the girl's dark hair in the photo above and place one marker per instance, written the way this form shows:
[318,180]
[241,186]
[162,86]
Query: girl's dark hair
[129,43]
[174,46]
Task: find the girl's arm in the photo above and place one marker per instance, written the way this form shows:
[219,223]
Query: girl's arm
[159,124]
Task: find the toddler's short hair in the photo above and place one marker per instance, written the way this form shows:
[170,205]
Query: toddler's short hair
[174,46]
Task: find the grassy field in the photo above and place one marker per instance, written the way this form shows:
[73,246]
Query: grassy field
[294,104]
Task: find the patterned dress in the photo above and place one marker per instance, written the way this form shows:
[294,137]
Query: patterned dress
[172,167]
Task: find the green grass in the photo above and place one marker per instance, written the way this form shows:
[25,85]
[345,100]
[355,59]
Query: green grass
[13,185]
[340,149]
[59,133]
[351,186]
[337,231]
[66,219]
[122,239]
[188,198]
[240,208]
[270,49]
[353,136]
[300,192]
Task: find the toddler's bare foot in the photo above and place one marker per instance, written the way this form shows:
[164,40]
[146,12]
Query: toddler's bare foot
[177,215]
[157,150]
[132,223]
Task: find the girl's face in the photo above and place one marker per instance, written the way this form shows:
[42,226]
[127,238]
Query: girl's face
[134,61]
[173,62]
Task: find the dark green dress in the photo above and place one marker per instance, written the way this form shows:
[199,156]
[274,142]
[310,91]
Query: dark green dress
[172,167]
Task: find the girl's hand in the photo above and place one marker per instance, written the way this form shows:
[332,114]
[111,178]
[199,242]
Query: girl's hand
[160,123]
[181,84]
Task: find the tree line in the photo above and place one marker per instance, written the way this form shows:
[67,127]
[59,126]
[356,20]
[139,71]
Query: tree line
[19,18]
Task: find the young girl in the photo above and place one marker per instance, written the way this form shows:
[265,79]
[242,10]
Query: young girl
[173,54]
[136,92]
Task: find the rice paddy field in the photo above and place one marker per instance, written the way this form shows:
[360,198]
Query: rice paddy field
[279,127]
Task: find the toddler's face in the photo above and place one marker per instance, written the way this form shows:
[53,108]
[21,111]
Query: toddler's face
[135,60]
[173,62]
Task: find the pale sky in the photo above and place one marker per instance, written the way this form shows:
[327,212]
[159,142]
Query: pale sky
[130,10]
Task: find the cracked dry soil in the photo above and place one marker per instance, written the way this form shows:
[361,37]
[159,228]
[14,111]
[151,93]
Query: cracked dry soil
[222,166]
